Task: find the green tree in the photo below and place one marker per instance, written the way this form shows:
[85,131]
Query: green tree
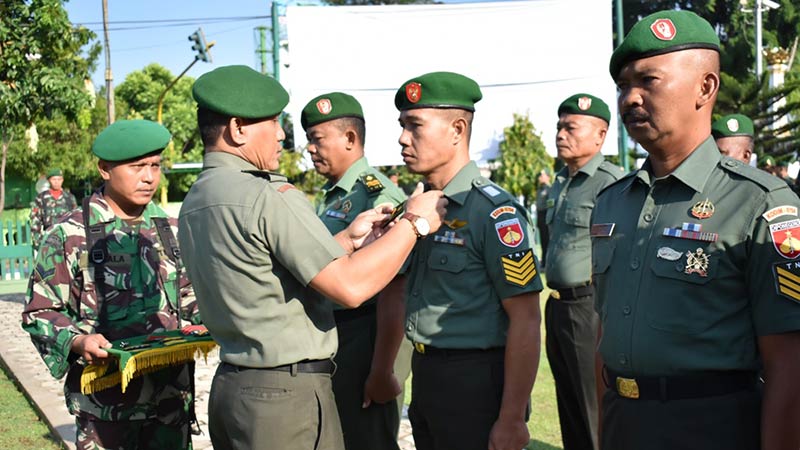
[522,157]
[42,69]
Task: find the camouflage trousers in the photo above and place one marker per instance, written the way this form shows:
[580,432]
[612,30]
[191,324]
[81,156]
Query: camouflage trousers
[131,435]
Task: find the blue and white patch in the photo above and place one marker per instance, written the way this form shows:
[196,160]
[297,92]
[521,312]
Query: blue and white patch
[335,214]
[491,191]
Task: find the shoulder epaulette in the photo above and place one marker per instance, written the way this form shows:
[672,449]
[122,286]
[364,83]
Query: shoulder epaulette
[372,183]
[761,178]
[620,180]
[614,170]
[493,192]
[259,173]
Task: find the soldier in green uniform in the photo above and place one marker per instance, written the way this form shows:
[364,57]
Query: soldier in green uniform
[49,206]
[110,272]
[472,295]
[695,262]
[734,136]
[262,264]
[370,336]
[570,320]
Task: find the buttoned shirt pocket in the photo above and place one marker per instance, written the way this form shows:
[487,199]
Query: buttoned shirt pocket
[449,258]
[578,216]
[678,304]
[602,254]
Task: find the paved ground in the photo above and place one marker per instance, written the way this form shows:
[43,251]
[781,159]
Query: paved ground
[22,360]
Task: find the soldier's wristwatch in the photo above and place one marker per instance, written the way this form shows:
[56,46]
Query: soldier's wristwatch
[419,224]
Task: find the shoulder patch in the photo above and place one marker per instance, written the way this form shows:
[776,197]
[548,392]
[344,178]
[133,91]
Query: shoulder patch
[503,210]
[493,192]
[286,187]
[787,279]
[778,211]
[766,181]
[519,268]
[510,232]
[372,183]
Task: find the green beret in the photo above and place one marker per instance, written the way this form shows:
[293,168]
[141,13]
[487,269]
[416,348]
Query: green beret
[587,105]
[328,107]
[239,91]
[732,125]
[129,139]
[55,173]
[768,161]
[438,90]
[663,32]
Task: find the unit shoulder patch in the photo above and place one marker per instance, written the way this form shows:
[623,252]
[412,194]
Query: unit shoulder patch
[503,210]
[372,183]
[510,232]
[787,279]
[778,211]
[519,268]
[786,238]
[286,187]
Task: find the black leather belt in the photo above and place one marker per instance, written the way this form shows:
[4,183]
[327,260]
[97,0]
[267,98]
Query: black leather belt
[344,315]
[572,293]
[424,349]
[312,366]
[704,384]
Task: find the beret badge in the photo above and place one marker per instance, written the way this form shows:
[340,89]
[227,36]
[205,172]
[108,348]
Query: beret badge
[584,103]
[324,106]
[664,29]
[413,92]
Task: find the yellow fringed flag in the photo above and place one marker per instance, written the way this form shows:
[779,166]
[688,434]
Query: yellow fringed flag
[141,355]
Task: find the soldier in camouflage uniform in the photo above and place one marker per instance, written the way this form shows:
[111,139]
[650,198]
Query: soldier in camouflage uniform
[50,205]
[137,282]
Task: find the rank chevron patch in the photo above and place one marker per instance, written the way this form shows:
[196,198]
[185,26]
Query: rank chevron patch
[787,279]
[519,267]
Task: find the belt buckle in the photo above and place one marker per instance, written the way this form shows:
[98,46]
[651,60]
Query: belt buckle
[555,294]
[627,387]
[419,347]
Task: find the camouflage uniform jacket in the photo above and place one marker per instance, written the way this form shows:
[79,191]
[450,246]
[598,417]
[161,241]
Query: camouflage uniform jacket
[47,210]
[140,298]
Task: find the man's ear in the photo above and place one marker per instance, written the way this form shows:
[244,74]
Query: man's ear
[351,137]
[708,89]
[460,128]
[104,167]
[237,130]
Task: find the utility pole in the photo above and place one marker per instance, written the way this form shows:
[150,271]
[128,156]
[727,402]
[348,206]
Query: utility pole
[261,47]
[758,8]
[622,140]
[109,76]
[276,42]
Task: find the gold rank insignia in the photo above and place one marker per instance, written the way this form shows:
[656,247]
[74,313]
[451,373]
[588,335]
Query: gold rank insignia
[455,223]
[696,262]
[373,184]
[787,279]
[703,210]
[519,267]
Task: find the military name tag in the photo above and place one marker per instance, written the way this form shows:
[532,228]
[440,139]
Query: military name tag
[519,267]
[119,260]
[335,214]
[602,230]
[787,279]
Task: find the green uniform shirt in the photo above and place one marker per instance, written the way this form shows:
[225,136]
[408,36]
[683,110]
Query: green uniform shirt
[252,243]
[360,188]
[569,249]
[676,305]
[459,276]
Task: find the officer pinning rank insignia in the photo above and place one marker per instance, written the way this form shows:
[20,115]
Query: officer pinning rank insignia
[510,232]
[518,267]
[703,210]
[691,231]
[786,238]
[787,279]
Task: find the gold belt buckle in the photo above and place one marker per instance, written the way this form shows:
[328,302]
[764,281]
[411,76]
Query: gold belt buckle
[555,294]
[627,387]
[419,347]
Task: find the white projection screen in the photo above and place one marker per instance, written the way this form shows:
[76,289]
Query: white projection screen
[527,56]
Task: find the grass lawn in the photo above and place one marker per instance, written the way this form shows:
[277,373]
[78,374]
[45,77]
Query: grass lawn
[20,427]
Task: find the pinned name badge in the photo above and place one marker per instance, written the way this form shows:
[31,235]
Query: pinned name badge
[510,232]
[778,211]
[696,262]
[335,214]
[669,254]
[503,210]
[785,238]
[602,229]
[449,237]
[663,29]
[703,210]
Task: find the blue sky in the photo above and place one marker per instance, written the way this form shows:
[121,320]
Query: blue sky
[135,45]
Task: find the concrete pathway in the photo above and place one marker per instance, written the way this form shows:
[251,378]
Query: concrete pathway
[18,355]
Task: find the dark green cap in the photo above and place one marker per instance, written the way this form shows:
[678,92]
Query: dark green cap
[732,125]
[330,106]
[239,91]
[587,105]
[767,161]
[438,90]
[663,32]
[55,173]
[129,139]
